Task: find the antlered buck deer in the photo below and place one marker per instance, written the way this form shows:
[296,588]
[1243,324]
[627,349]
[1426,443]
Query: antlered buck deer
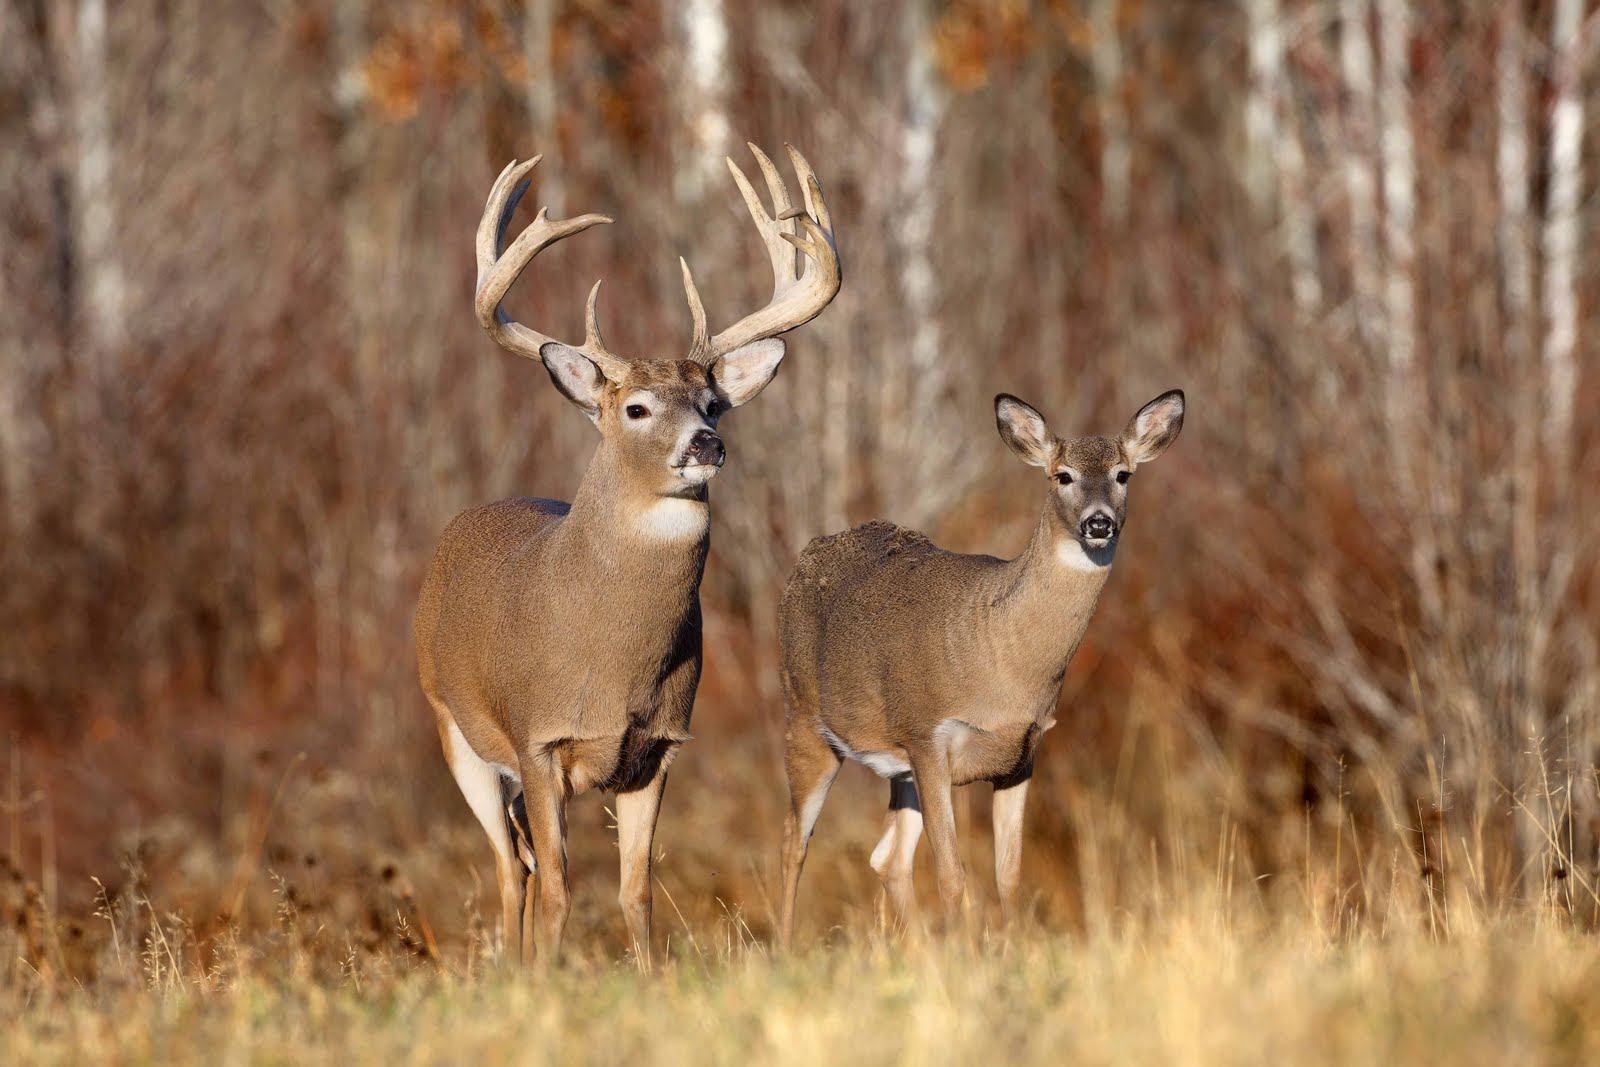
[559,644]
[937,669]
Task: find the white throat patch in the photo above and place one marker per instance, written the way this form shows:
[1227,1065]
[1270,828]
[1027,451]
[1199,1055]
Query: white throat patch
[675,519]
[1070,551]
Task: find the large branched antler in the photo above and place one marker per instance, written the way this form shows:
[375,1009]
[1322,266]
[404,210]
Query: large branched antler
[797,298]
[498,269]
[797,295]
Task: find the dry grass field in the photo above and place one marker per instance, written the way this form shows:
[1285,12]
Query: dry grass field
[346,967]
[1326,784]
[319,942]
[1195,992]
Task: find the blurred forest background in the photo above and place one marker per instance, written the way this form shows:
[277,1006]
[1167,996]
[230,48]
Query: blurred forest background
[1351,652]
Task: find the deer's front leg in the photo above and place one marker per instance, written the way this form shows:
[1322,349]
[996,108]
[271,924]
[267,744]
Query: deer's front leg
[637,810]
[930,767]
[545,798]
[1009,800]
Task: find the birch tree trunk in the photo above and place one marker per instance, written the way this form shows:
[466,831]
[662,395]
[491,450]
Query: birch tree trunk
[1559,351]
[103,285]
[1404,394]
[1261,102]
[704,26]
[1355,65]
[1523,627]
[1116,153]
[539,46]
[1561,242]
[1521,518]
[921,455]
[1277,171]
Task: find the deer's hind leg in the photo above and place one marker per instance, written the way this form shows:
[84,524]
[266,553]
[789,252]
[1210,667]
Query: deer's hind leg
[896,852]
[812,765]
[486,790]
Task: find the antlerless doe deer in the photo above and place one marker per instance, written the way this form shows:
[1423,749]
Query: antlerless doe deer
[937,669]
[559,644]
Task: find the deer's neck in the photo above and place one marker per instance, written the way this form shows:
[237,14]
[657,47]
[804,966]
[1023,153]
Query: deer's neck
[1042,601]
[632,532]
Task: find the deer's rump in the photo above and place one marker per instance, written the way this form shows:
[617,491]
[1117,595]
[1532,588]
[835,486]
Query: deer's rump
[846,624]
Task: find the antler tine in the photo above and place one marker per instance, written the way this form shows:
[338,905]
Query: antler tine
[613,366]
[782,258]
[497,213]
[781,205]
[498,270]
[795,300]
[700,342]
[811,189]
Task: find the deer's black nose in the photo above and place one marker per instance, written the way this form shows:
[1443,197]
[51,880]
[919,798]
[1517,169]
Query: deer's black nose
[706,447]
[1098,527]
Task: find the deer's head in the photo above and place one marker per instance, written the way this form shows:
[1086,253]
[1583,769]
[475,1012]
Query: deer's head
[658,417]
[1089,476]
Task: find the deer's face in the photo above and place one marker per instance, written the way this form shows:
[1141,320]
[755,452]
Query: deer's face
[660,416]
[1090,496]
[1090,475]
[662,419]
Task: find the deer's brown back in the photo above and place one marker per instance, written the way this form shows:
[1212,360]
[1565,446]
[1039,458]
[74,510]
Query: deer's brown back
[882,639]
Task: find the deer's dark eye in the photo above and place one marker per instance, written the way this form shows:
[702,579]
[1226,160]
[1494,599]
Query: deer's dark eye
[1064,478]
[713,408]
[1123,476]
[638,411]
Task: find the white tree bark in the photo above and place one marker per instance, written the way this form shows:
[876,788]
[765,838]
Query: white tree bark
[704,25]
[1526,629]
[1261,102]
[919,136]
[543,105]
[1116,152]
[1516,279]
[1404,395]
[921,469]
[103,285]
[1355,65]
[1299,220]
[1277,170]
[1560,243]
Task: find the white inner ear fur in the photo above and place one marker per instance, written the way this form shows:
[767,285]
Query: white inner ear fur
[1153,422]
[1024,431]
[579,380]
[744,372]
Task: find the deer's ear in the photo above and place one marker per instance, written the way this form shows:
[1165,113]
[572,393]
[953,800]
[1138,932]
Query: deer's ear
[576,375]
[1154,428]
[745,371]
[1023,429]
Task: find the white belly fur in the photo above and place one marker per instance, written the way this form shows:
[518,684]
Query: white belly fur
[883,764]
